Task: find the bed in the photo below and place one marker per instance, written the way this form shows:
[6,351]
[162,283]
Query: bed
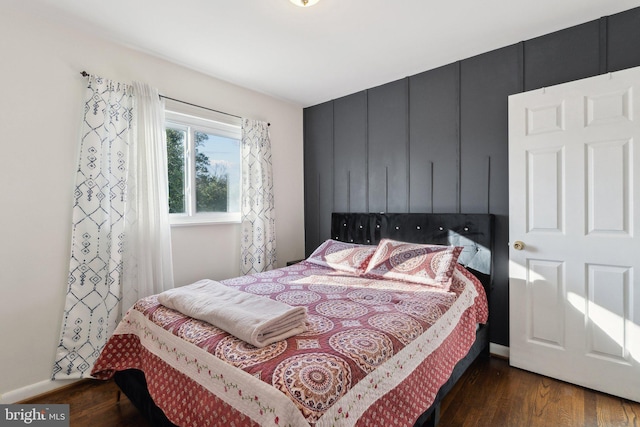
[378,350]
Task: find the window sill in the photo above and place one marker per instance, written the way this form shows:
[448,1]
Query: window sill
[189,221]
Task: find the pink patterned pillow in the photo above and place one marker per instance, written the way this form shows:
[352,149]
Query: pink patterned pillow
[342,256]
[430,265]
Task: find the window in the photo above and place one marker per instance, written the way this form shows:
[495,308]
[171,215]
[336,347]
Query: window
[204,166]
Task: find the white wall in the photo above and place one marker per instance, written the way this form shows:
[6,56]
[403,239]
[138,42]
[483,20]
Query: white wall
[40,112]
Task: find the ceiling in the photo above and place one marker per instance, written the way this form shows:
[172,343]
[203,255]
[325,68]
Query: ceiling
[335,48]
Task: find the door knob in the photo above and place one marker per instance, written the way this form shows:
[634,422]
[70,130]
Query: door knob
[518,245]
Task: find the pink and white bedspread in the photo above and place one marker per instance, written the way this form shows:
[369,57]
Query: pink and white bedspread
[376,352]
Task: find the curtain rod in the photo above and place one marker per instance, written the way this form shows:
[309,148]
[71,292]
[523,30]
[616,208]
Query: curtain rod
[85,74]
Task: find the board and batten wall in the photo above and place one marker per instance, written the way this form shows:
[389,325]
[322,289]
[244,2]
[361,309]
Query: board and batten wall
[437,141]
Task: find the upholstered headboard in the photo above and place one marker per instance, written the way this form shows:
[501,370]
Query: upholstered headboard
[474,232]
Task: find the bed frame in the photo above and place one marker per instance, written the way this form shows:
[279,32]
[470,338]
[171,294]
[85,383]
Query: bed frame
[474,232]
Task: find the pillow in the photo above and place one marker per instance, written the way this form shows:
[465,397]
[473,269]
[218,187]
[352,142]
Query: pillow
[342,256]
[430,265]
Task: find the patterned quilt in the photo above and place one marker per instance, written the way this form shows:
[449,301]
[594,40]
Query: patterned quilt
[375,353]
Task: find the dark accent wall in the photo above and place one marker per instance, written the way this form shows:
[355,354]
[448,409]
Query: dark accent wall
[437,142]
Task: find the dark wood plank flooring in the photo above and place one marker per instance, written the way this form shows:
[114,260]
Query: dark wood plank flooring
[94,403]
[490,394]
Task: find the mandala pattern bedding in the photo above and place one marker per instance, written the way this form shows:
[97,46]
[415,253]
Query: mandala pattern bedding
[376,352]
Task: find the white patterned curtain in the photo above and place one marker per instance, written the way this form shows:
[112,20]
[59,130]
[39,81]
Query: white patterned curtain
[258,241]
[111,228]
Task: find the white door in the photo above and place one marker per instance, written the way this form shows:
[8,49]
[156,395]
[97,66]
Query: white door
[574,225]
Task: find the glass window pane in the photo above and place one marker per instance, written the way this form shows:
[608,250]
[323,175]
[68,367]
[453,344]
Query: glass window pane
[218,177]
[176,139]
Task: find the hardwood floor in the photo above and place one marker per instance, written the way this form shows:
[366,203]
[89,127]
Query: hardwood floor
[94,403]
[490,394]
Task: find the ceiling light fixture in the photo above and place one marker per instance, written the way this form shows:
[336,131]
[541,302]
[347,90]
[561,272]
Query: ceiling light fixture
[304,3]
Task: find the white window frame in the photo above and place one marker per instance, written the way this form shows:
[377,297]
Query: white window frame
[189,118]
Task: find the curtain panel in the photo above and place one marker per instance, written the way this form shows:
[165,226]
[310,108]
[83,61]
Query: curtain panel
[120,241]
[258,233]
[148,267]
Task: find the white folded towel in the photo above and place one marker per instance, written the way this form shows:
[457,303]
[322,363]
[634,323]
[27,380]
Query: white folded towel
[258,320]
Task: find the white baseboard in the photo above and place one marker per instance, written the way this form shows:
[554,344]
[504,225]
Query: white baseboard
[33,390]
[499,350]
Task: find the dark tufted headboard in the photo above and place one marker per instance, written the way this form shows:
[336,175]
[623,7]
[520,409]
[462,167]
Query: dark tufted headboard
[474,232]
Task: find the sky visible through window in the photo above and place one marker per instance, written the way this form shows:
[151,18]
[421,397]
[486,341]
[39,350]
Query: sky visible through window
[224,152]
[224,158]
